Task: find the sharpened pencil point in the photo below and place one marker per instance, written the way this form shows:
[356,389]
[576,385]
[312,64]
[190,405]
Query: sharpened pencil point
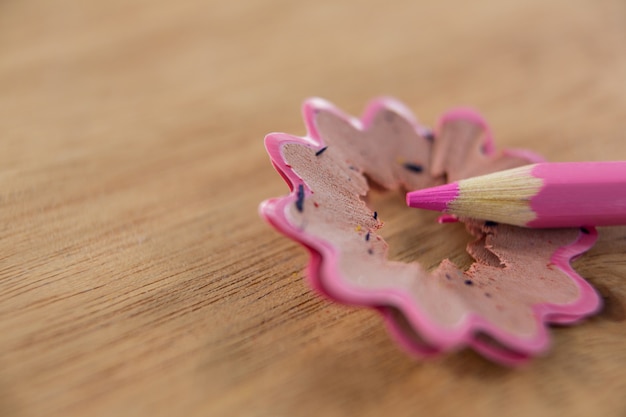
[435,198]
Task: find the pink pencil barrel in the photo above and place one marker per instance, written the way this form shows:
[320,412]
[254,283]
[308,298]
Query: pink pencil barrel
[580,194]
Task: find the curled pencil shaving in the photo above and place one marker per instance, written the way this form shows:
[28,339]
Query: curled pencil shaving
[521,278]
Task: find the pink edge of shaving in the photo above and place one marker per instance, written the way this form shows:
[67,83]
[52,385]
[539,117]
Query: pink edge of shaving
[324,277]
[589,301]
[447,218]
[468,113]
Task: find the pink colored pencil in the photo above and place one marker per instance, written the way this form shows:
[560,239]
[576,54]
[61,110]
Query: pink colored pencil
[545,195]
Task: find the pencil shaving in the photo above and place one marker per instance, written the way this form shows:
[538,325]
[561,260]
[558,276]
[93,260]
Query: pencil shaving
[520,280]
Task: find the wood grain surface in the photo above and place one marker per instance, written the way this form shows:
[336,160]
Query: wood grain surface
[136,277]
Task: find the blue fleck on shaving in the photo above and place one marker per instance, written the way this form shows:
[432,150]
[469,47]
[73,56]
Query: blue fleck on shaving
[321,151]
[367,236]
[300,198]
[413,167]
[375,215]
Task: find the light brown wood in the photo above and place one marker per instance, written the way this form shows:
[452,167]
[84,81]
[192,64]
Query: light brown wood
[136,277]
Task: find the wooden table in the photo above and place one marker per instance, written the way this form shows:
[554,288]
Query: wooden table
[136,276]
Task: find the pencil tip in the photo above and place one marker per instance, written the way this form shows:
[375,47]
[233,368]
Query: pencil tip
[435,198]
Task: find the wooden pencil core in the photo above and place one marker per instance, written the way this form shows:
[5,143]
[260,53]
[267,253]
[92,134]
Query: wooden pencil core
[501,197]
